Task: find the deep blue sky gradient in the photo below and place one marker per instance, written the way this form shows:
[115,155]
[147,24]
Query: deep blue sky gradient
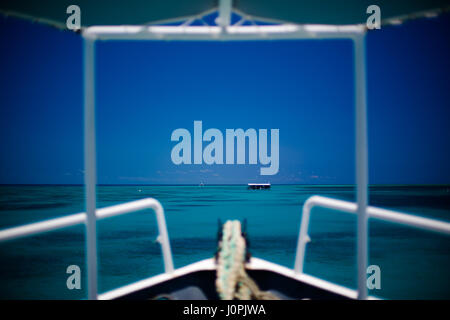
[145,90]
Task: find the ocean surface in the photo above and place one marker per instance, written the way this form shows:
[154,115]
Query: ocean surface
[414,264]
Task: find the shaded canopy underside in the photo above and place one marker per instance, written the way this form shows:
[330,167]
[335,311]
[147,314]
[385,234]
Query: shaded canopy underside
[138,12]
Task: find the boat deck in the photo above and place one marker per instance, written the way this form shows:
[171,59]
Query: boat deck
[197,282]
[200,285]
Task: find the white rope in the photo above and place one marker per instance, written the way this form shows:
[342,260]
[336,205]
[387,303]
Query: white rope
[232,281]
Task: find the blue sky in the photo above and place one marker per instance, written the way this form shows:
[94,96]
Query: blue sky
[145,90]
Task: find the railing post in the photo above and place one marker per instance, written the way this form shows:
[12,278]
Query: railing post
[303,237]
[163,238]
[90,175]
[361,160]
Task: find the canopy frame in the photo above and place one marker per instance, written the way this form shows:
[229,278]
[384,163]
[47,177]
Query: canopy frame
[227,32]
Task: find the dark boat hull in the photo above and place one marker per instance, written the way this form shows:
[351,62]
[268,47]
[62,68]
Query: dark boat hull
[200,285]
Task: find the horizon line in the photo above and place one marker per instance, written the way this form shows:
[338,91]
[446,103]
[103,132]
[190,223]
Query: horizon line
[224,184]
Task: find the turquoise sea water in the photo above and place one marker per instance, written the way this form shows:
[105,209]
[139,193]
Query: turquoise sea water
[414,264]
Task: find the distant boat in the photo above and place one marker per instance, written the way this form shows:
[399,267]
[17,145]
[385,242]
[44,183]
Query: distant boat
[257,186]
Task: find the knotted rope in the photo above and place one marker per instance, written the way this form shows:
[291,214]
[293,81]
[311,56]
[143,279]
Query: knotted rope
[232,281]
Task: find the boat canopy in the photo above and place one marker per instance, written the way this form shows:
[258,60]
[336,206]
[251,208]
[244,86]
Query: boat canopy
[142,12]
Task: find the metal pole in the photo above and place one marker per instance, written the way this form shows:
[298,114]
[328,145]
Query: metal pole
[90,175]
[225,7]
[361,160]
[303,237]
[163,238]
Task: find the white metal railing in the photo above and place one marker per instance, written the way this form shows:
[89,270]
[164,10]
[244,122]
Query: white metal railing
[351,207]
[78,218]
